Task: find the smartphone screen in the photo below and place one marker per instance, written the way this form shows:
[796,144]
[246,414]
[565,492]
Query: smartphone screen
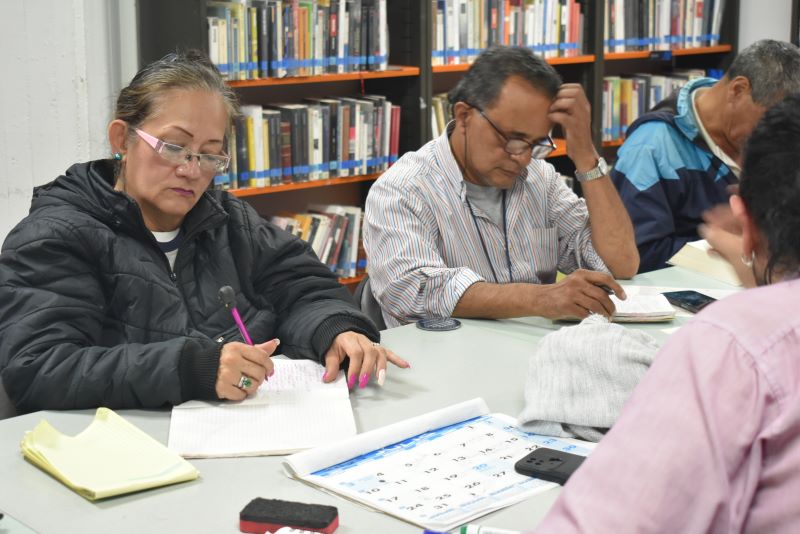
[692,301]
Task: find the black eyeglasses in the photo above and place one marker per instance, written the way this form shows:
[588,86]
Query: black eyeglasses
[539,149]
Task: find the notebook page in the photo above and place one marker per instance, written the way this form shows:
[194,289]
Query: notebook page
[292,411]
[292,378]
[643,306]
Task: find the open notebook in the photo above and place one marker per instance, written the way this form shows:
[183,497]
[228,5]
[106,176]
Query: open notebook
[111,457]
[637,308]
[291,411]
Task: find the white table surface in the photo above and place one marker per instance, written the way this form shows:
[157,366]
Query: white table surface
[483,358]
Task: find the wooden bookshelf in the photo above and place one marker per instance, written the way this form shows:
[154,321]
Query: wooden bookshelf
[352,281]
[647,54]
[464,67]
[614,143]
[254,191]
[561,148]
[394,71]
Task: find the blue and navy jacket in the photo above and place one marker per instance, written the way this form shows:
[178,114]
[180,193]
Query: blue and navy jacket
[667,177]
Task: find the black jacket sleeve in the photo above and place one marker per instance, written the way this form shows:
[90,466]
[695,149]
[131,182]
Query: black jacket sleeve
[52,312]
[312,308]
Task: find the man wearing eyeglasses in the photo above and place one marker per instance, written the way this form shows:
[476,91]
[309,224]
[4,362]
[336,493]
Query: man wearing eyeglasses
[477,224]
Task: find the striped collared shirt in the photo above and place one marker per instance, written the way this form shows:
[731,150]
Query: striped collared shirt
[424,249]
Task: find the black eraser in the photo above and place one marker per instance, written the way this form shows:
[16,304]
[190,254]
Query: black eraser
[268,515]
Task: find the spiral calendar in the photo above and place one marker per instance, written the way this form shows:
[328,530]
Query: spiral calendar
[451,466]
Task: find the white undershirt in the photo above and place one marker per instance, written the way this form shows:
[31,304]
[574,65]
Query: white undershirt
[166,237]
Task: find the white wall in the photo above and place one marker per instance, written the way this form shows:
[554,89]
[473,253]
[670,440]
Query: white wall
[62,62]
[764,19]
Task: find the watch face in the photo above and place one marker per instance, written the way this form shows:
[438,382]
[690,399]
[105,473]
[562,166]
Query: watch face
[603,166]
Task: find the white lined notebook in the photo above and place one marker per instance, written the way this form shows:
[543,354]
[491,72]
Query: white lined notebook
[292,411]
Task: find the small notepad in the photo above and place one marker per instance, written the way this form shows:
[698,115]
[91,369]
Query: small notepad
[111,457]
[642,309]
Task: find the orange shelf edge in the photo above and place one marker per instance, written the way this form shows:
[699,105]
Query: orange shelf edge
[615,142]
[645,54]
[463,67]
[255,191]
[352,280]
[392,72]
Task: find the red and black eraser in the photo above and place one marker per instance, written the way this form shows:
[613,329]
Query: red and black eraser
[268,515]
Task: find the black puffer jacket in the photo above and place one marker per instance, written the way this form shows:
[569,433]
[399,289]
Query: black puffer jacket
[91,314]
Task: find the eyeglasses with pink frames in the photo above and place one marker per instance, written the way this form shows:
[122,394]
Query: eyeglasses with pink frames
[179,155]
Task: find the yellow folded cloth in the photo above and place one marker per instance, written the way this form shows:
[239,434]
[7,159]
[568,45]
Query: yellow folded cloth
[111,457]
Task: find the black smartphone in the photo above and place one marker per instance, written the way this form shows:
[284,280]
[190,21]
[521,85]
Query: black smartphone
[692,301]
[549,464]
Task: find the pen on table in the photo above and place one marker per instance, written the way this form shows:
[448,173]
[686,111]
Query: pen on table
[228,297]
[607,289]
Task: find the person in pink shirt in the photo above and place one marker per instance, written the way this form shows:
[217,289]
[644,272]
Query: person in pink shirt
[710,439]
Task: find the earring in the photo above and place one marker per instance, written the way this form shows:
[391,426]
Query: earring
[117,156]
[748,262]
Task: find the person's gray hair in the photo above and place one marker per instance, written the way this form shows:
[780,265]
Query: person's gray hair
[772,67]
[482,83]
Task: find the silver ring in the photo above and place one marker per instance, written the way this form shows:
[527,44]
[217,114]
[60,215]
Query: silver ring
[244,382]
[375,344]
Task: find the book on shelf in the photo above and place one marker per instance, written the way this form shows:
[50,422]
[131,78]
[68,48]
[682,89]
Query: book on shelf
[633,25]
[696,256]
[464,28]
[626,98]
[318,139]
[249,39]
[334,233]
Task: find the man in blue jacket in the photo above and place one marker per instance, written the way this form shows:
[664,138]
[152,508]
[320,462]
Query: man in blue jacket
[680,158]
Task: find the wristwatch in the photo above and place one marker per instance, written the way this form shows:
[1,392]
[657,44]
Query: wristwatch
[599,171]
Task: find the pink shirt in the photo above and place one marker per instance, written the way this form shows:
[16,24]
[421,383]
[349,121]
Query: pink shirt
[710,439]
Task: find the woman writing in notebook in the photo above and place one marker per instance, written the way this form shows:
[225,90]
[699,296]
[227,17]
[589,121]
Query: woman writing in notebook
[109,288]
[710,439]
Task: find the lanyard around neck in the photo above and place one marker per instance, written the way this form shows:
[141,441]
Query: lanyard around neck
[483,243]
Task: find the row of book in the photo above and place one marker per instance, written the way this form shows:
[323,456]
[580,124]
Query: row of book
[318,139]
[249,39]
[627,98]
[334,233]
[632,25]
[464,28]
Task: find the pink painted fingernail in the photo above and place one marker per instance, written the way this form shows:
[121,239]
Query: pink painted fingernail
[272,372]
[324,376]
[351,381]
[364,379]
